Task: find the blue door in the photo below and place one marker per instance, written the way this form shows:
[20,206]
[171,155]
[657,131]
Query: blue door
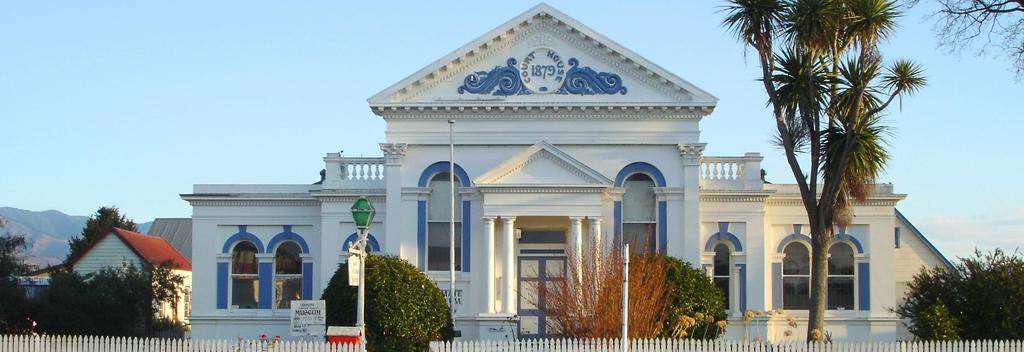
[536,276]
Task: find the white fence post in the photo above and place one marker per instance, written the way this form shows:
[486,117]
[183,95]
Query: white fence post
[23,343]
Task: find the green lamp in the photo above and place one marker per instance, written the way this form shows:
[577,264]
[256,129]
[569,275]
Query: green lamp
[362,213]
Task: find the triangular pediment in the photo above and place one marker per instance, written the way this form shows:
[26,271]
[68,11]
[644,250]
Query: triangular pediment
[542,164]
[543,58]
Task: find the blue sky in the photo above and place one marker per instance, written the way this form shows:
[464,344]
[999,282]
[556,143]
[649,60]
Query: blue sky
[130,103]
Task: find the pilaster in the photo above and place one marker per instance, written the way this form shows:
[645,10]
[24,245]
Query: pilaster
[394,153]
[691,154]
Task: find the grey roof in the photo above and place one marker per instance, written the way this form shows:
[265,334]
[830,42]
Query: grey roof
[176,231]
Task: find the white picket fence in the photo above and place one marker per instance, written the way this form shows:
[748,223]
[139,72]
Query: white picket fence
[21,343]
[613,345]
[24,343]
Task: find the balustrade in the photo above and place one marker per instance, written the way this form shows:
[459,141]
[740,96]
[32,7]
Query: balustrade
[362,169]
[731,172]
[353,172]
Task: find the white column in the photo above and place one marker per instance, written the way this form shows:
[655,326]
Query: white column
[509,234]
[489,264]
[734,291]
[576,230]
[596,247]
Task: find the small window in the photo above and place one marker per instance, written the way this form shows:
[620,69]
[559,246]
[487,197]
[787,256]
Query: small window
[244,276]
[840,277]
[287,275]
[721,272]
[639,215]
[796,277]
[897,236]
[439,213]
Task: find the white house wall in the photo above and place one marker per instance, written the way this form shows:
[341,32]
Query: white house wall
[109,252]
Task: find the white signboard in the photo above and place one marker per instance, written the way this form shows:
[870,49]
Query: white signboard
[309,318]
[353,269]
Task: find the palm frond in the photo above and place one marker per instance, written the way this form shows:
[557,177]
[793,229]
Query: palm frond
[872,21]
[904,76]
[812,24]
[801,84]
[750,20]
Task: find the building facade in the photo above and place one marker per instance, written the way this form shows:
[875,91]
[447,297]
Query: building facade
[564,140]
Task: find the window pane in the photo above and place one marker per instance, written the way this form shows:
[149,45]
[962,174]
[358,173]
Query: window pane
[243,291]
[638,201]
[528,294]
[243,259]
[554,268]
[287,260]
[438,238]
[796,261]
[721,260]
[640,237]
[287,289]
[796,293]
[439,203]
[840,293]
[840,260]
[723,285]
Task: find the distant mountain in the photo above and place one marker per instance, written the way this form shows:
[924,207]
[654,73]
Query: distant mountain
[47,232]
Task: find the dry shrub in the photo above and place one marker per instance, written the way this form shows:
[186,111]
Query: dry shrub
[593,307]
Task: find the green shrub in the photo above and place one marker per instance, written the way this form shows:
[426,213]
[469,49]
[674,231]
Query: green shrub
[404,310]
[981,295]
[693,295]
[111,302]
[937,324]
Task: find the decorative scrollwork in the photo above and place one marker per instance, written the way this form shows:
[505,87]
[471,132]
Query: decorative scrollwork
[501,80]
[586,81]
[506,80]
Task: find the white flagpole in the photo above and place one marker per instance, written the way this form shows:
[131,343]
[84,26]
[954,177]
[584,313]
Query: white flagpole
[451,221]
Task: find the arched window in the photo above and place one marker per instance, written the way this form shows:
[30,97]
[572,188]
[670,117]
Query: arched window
[287,274]
[720,272]
[245,281]
[796,277]
[438,222]
[840,277]
[639,215]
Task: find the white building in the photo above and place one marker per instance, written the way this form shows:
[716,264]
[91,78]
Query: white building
[563,138]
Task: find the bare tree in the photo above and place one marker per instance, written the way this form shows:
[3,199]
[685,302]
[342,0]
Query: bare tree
[995,24]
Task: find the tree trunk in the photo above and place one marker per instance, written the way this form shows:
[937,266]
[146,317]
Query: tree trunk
[821,238]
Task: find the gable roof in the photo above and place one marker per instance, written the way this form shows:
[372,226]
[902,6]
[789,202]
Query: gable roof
[461,56]
[151,249]
[176,231]
[916,232]
[517,162]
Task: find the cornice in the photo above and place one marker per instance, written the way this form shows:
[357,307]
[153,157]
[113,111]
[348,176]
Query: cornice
[349,198]
[882,202]
[349,192]
[540,189]
[732,198]
[252,203]
[466,110]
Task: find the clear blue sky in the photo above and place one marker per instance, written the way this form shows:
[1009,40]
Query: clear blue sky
[130,103]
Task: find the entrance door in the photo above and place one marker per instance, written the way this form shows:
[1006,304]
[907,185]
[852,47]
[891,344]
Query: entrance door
[535,273]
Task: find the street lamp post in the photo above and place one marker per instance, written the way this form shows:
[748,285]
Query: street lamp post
[362,216]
